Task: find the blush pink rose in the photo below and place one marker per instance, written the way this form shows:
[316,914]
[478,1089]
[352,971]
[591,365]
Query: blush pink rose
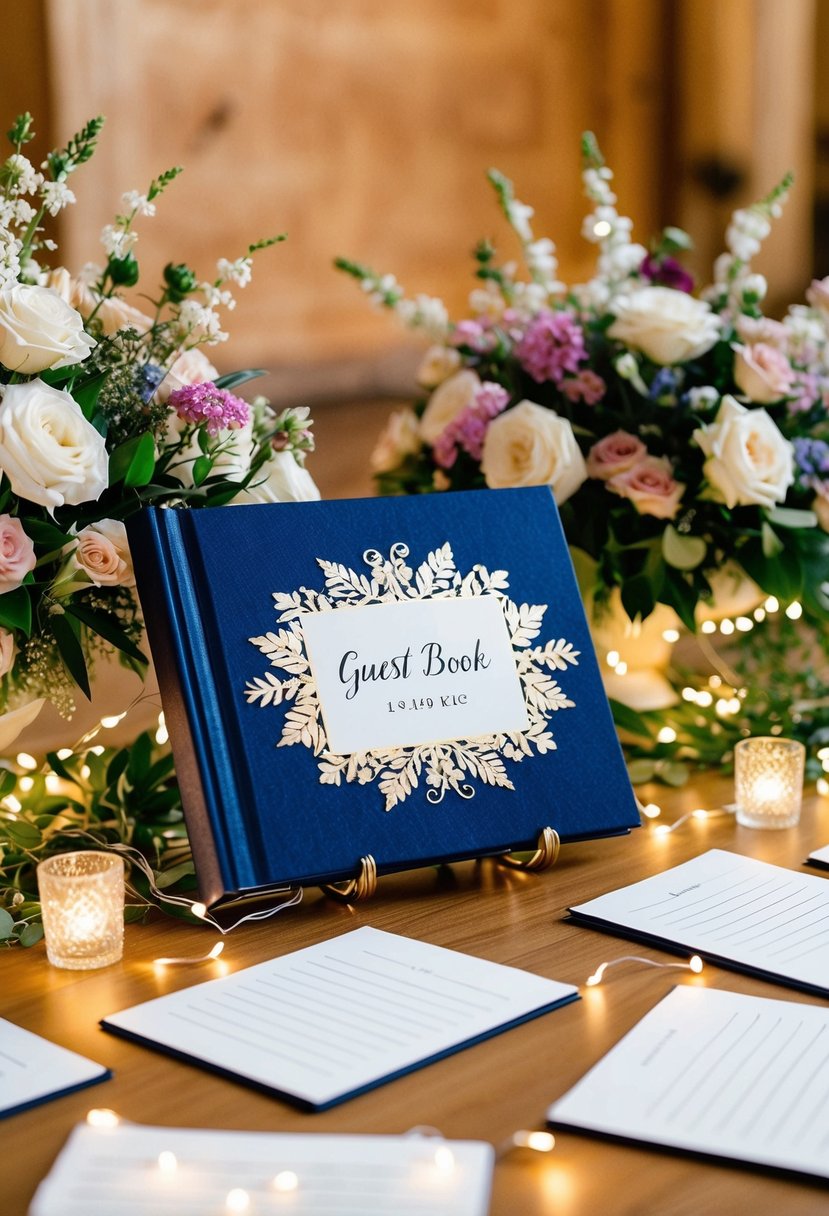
[651,487]
[103,554]
[614,454]
[762,372]
[17,554]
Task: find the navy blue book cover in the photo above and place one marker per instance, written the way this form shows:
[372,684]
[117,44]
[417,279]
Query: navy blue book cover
[411,678]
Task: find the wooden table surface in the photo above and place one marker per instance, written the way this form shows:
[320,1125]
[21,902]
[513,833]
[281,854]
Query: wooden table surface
[486,1092]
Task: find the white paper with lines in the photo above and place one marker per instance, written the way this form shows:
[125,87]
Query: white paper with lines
[820,857]
[32,1069]
[324,1023]
[115,1172]
[716,1072]
[738,910]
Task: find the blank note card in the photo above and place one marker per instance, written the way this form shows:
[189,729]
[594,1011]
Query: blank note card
[150,1171]
[32,1069]
[733,909]
[720,1073]
[328,1022]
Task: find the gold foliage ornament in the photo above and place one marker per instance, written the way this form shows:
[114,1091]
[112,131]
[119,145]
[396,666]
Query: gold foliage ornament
[449,765]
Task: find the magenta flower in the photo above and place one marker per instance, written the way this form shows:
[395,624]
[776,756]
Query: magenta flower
[666,272]
[586,387]
[213,408]
[468,429]
[552,346]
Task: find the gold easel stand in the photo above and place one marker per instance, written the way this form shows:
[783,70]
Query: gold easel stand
[545,855]
[361,887]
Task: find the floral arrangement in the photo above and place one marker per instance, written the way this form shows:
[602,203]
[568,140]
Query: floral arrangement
[106,407]
[681,434]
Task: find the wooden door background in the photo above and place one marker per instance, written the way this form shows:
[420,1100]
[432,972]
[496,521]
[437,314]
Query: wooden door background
[365,127]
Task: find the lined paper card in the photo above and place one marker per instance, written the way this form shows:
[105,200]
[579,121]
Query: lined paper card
[146,1171]
[819,858]
[326,1023]
[720,1073]
[732,910]
[33,1070]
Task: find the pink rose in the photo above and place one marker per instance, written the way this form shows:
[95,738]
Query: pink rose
[6,651]
[650,486]
[614,454]
[17,554]
[762,329]
[762,372]
[104,555]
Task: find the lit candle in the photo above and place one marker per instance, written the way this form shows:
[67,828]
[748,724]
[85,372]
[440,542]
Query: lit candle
[82,902]
[768,782]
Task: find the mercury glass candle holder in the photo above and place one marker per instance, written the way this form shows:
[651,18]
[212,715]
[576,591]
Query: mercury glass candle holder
[82,902]
[768,782]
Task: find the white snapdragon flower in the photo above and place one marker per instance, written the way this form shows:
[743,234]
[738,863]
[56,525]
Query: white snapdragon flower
[56,196]
[543,263]
[519,215]
[135,202]
[239,272]
[529,298]
[23,212]
[117,242]
[486,301]
[426,313]
[23,175]
[217,297]
[195,321]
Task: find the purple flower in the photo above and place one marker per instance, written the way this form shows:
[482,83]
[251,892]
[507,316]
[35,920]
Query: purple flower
[468,429]
[552,346]
[666,272]
[213,408]
[812,459]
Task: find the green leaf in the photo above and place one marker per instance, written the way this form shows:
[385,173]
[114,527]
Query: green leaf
[220,495]
[16,610]
[630,720]
[6,925]
[637,596]
[234,379]
[45,535]
[8,780]
[771,542]
[22,833]
[107,627]
[31,935]
[201,469]
[674,773]
[166,878]
[641,770]
[87,394]
[788,517]
[134,461]
[71,651]
[681,551]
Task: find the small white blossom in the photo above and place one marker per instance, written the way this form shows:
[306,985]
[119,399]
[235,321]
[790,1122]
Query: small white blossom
[486,301]
[755,286]
[117,241]
[426,313]
[702,398]
[216,297]
[134,202]
[239,272]
[628,369]
[24,176]
[23,212]
[530,298]
[56,196]
[198,322]
[519,215]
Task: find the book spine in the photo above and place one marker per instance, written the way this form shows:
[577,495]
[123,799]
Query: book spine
[204,771]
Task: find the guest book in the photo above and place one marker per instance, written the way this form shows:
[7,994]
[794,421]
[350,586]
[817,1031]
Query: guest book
[33,1070]
[716,1073]
[131,1170]
[329,1022]
[409,678]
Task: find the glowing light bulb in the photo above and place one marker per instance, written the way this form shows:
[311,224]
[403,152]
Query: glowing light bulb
[695,963]
[621,669]
[772,604]
[666,735]
[112,720]
[709,627]
[285,1181]
[444,1159]
[539,1142]
[199,910]
[744,624]
[670,635]
[613,657]
[652,810]
[759,614]
[661,829]
[602,228]
[823,787]
[726,626]
[64,753]
[167,1163]
[237,1200]
[794,611]
[102,1117]
[26,761]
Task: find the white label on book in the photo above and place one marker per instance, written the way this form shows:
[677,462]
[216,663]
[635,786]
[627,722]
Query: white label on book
[397,675]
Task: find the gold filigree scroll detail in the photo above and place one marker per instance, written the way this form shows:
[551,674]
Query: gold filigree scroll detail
[452,765]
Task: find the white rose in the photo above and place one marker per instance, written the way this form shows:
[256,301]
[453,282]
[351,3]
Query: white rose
[400,438]
[668,326]
[749,462]
[111,312]
[38,329]
[48,450]
[281,480]
[531,446]
[7,651]
[103,553]
[446,402]
[437,364]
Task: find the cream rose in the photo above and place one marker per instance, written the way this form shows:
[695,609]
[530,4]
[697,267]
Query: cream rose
[762,372]
[400,438]
[446,402]
[111,312]
[749,462]
[191,367]
[437,365]
[281,480]
[614,454]
[651,487]
[820,506]
[531,446]
[7,649]
[17,554]
[38,329]
[666,325]
[48,450]
[103,553]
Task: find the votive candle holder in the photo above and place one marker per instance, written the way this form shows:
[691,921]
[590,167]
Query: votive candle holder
[82,904]
[768,781]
